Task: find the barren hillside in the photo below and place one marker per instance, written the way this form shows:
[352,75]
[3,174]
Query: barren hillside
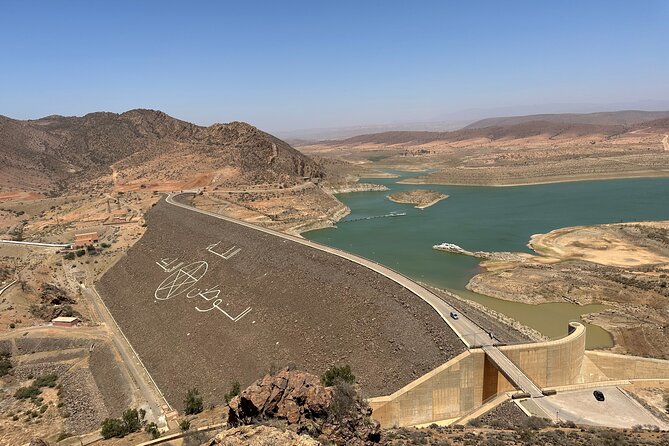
[141,146]
[519,150]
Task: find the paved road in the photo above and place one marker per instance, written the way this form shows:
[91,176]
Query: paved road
[46,245]
[6,287]
[580,406]
[471,334]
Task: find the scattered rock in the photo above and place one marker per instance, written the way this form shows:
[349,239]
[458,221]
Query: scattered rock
[261,436]
[334,414]
[290,395]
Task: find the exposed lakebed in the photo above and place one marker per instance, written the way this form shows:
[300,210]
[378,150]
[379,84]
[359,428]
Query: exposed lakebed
[489,219]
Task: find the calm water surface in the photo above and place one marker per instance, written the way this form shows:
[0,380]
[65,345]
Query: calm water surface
[489,219]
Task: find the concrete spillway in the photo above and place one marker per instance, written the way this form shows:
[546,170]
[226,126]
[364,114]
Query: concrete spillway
[511,371]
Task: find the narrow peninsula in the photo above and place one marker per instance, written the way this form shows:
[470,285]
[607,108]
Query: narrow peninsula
[421,198]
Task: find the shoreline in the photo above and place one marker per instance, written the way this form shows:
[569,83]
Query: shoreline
[432,203]
[565,179]
[420,206]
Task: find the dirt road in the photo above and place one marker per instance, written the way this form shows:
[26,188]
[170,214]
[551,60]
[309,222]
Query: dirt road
[153,398]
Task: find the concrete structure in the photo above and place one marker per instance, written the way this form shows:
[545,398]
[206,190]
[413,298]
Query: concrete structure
[82,240]
[471,379]
[457,389]
[63,321]
[481,376]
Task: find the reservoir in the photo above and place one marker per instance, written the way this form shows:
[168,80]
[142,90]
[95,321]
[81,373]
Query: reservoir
[489,219]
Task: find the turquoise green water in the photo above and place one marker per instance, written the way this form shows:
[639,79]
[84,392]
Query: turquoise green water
[490,219]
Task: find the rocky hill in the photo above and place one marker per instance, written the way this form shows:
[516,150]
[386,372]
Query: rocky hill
[54,153]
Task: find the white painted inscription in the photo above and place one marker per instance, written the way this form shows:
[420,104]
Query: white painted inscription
[227,255]
[183,279]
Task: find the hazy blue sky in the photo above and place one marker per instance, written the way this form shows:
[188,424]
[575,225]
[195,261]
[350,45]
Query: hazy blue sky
[303,64]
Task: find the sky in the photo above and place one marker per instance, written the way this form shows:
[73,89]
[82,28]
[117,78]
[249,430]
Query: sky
[285,65]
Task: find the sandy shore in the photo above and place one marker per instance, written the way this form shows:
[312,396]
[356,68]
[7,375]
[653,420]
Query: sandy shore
[622,265]
[549,180]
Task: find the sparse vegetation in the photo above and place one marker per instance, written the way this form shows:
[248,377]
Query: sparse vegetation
[27,392]
[69,256]
[5,363]
[234,391]
[63,435]
[33,391]
[152,429]
[194,402]
[131,421]
[343,400]
[336,374]
[184,424]
[46,380]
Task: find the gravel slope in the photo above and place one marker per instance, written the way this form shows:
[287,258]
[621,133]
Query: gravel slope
[308,309]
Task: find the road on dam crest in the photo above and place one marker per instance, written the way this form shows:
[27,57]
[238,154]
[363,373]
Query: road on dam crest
[470,333]
[206,302]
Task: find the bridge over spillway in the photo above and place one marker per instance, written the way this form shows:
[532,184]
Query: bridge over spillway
[511,371]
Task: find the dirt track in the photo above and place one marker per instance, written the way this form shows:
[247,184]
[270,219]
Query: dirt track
[308,308]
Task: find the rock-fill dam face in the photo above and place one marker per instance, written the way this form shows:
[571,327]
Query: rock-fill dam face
[207,302]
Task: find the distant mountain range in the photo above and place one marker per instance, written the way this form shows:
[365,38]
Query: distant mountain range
[55,153]
[624,117]
[517,127]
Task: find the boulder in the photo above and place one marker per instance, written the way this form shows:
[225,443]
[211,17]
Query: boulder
[261,436]
[297,400]
[291,395]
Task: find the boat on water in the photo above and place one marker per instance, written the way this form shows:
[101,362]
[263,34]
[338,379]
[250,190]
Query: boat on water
[450,247]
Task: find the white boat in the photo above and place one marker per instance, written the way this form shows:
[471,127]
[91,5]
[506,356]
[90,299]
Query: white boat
[450,247]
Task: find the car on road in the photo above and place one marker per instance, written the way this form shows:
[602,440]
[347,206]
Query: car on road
[599,396]
[454,315]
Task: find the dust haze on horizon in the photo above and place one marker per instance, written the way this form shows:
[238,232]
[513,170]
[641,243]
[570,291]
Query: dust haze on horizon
[305,65]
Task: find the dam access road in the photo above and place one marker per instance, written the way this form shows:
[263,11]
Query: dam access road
[469,333]
[206,303]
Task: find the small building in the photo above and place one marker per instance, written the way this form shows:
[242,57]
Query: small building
[83,240]
[64,321]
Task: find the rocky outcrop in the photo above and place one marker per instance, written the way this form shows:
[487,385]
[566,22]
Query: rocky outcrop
[329,414]
[294,396]
[261,436]
[59,153]
[38,442]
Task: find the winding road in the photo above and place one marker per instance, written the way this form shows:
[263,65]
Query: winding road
[471,334]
